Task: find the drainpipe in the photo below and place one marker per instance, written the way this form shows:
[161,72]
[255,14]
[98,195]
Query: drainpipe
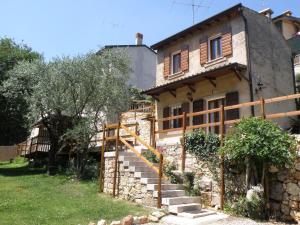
[248,60]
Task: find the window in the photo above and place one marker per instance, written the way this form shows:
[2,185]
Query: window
[214,117]
[215,48]
[176,62]
[297,60]
[176,111]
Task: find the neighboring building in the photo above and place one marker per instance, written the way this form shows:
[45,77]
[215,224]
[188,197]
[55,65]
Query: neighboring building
[143,61]
[289,26]
[233,57]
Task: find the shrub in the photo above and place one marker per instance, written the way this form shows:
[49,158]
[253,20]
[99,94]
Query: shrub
[168,171]
[203,146]
[150,156]
[253,208]
[189,184]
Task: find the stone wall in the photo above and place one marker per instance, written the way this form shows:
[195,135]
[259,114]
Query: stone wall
[128,187]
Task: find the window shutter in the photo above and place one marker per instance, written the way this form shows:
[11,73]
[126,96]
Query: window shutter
[232,98]
[185,58]
[203,51]
[166,113]
[227,44]
[186,108]
[167,65]
[198,106]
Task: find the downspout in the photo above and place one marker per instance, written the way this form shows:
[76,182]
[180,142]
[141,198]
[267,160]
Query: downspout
[248,60]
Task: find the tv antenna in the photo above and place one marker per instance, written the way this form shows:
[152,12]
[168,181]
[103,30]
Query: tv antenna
[193,5]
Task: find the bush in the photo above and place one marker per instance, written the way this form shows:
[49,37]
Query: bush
[189,184]
[253,208]
[168,171]
[259,141]
[150,156]
[203,146]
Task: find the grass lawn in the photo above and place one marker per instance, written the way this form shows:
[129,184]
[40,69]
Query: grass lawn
[30,197]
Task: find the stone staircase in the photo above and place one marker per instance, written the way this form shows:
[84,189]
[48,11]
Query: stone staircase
[174,198]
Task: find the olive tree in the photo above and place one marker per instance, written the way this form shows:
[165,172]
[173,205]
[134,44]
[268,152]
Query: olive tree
[72,96]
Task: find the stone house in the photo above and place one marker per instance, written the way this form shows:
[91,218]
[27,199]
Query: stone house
[233,57]
[143,62]
[289,26]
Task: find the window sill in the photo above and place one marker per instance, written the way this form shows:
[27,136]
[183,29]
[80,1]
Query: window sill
[215,61]
[175,75]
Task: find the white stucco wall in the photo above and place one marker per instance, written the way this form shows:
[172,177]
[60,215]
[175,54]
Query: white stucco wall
[143,65]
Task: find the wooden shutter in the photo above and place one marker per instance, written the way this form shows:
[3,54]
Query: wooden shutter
[166,113]
[203,51]
[198,106]
[185,58]
[232,98]
[186,108]
[167,65]
[227,44]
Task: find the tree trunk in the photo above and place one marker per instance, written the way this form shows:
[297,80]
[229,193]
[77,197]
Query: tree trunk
[52,167]
[247,174]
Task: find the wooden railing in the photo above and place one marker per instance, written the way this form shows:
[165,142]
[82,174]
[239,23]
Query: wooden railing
[124,139]
[221,124]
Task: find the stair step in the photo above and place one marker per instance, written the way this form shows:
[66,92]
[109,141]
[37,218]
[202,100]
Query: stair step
[145,174]
[170,193]
[140,169]
[134,163]
[123,158]
[184,208]
[152,181]
[181,200]
[153,187]
[196,214]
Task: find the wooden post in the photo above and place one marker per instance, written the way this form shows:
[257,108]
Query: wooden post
[136,132]
[183,153]
[222,185]
[161,161]
[116,160]
[262,108]
[153,133]
[102,161]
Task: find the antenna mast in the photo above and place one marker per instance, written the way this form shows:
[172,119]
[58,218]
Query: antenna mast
[192,4]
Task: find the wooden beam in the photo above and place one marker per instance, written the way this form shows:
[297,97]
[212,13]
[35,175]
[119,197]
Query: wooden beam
[240,75]
[191,87]
[211,80]
[155,97]
[189,96]
[173,93]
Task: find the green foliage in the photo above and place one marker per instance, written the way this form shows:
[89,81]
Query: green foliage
[135,94]
[259,141]
[168,171]
[13,106]
[150,156]
[189,184]
[30,197]
[203,146]
[253,208]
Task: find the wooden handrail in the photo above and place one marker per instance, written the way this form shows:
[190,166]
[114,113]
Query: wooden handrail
[282,98]
[156,152]
[139,155]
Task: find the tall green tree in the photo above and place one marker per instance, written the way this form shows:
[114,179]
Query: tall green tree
[73,96]
[13,107]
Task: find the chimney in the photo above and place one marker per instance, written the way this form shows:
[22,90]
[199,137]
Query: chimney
[139,39]
[287,13]
[267,12]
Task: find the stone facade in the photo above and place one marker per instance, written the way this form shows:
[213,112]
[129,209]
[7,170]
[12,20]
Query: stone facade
[128,187]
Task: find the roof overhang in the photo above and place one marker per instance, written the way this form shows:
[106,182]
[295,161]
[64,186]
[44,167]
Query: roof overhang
[216,18]
[191,80]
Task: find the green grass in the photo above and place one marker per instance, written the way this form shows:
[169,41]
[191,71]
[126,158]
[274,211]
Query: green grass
[30,197]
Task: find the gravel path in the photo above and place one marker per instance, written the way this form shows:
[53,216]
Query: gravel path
[219,219]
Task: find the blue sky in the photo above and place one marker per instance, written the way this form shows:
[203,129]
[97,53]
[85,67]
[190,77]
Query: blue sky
[70,27]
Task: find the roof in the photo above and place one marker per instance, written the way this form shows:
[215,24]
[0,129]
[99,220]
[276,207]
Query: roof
[127,46]
[285,17]
[196,26]
[190,80]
